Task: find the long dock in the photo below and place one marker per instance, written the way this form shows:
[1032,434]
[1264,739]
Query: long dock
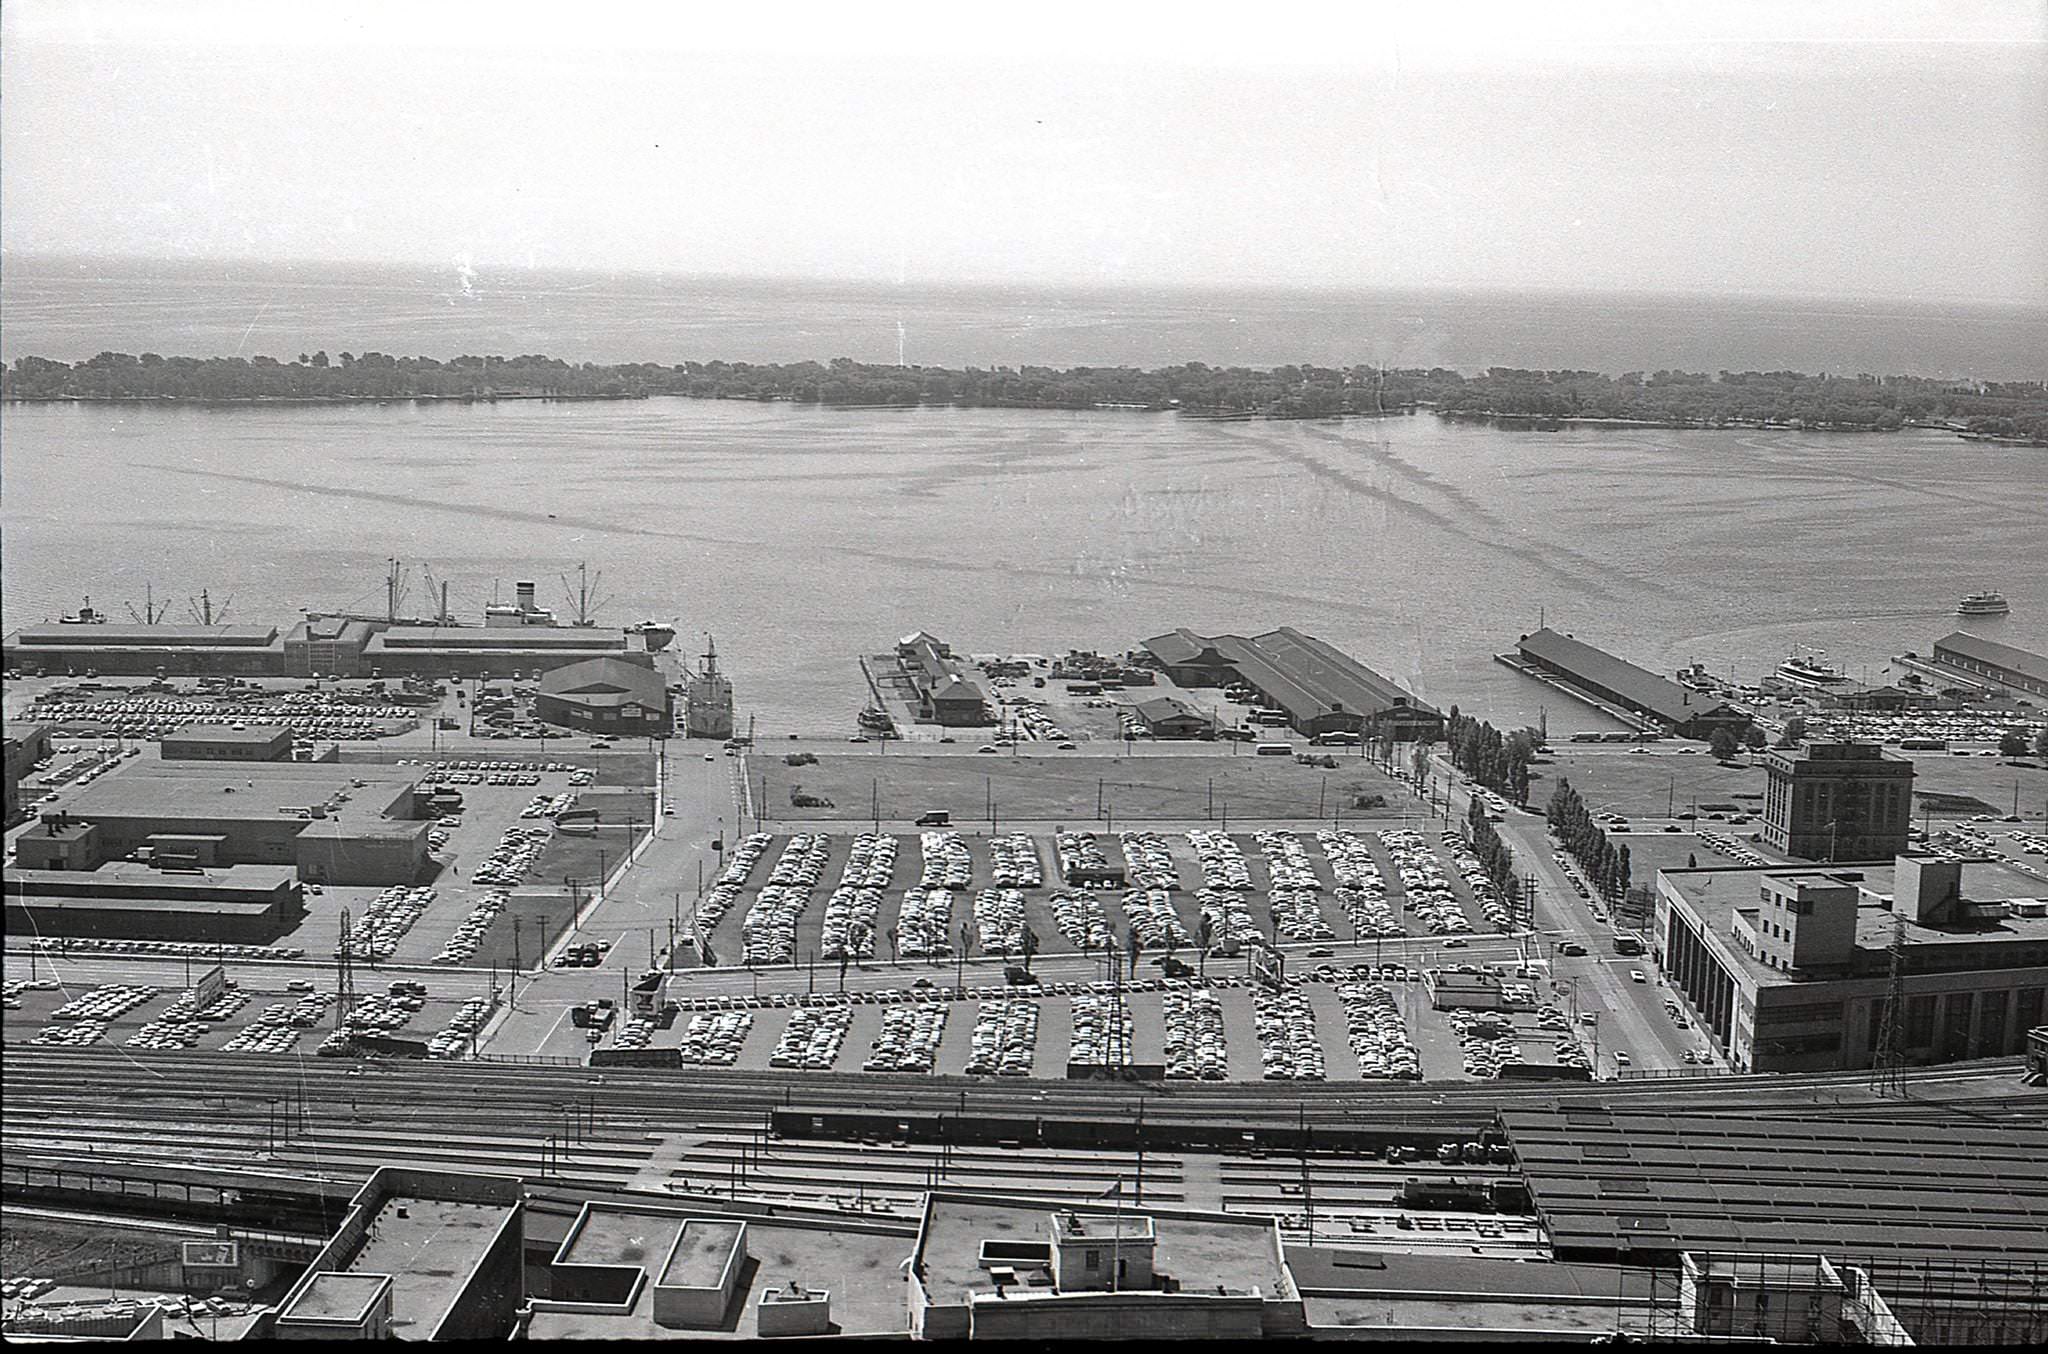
[1640,723]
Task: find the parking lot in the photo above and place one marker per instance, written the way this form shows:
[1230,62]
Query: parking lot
[1339,1023]
[289,1016]
[791,898]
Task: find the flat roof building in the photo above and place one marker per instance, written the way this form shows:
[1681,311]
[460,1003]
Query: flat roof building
[660,1270]
[1321,688]
[333,823]
[2013,668]
[1679,709]
[143,650]
[1837,801]
[494,651]
[1788,967]
[945,693]
[232,743]
[995,1267]
[420,1255]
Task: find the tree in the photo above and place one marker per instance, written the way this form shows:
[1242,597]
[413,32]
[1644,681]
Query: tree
[1794,733]
[1753,738]
[2041,742]
[1723,744]
[1205,936]
[1030,946]
[2013,744]
[893,954]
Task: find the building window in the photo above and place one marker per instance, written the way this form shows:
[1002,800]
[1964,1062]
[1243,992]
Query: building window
[1092,1259]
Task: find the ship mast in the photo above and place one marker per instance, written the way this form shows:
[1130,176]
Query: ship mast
[585,593]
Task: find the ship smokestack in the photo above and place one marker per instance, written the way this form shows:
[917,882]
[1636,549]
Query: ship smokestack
[524,589]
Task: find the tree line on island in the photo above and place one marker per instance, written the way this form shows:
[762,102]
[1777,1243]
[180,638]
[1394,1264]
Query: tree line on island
[2011,409]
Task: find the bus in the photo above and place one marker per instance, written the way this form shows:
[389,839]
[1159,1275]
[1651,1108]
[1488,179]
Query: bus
[1627,942]
[1274,749]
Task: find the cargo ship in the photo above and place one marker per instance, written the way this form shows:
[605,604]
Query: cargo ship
[707,699]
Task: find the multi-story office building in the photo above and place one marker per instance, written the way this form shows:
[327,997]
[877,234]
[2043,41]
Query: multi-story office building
[1788,967]
[1837,801]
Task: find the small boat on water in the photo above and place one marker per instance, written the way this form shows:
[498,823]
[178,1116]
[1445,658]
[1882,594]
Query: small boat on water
[876,720]
[1810,672]
[1983,604]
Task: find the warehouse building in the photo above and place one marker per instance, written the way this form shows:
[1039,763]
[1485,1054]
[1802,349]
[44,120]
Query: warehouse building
[2017,670]
[328,646]
[494,651]
[1837,801]
[605,695]
[234,743]
[146,650]
[334,824]
[1321,688]
[945,693]
[1787,968]
[24,747]
[239,904]
[1171,717]
[1679,709]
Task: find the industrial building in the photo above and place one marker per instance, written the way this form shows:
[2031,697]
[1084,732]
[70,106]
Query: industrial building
[1944,1216]
[332,823]
[992,1267]
[1172,717]
[1788,968]
[440,651]
[1837,801]
[945,693]
[420,1255]
[240,904]
[24,748]
[147,650]
[234,743]
[2017,670]
[1677,709]
[606,695]
[1320,688]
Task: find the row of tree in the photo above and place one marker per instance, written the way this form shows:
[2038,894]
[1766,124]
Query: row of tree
[1498,761]
[1495,857]
[1685,399]
[1572,823]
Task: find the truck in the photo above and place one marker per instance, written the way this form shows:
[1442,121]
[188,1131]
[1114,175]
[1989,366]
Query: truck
[935,818]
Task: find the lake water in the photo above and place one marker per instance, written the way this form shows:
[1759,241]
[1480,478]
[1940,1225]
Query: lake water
[802,537]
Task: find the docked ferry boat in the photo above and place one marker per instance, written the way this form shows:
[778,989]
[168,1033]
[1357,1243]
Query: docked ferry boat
[1810,672]
[1983,604]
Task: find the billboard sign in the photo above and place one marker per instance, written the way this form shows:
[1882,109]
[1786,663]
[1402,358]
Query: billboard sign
[212,1255]
[208,989]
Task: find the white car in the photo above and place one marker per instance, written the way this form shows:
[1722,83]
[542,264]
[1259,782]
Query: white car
[1636,975]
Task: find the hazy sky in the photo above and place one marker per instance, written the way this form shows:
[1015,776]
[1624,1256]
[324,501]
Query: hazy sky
[1865,148]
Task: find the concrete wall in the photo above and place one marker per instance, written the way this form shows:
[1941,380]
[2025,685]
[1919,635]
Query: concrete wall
[1118,1316]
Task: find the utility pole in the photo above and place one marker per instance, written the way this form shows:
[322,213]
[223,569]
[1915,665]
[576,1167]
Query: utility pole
[1888,1054]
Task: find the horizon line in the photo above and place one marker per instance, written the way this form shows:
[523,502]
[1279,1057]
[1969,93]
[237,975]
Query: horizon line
[481,272]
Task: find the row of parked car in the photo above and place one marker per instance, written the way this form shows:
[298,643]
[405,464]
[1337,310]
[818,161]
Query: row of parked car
[924,924]
[909,1041]
[1287,861]
[1080,918]
[714,1038]
[1195,1048]
[1005,1039]
[1298,915]
[518,850]
[999,921]
[1081,856]
[1222,862]
[1492,906]
[376,932]
[1150,913]
[745,853]
[870,862]
[1016,863]
[1148,861]
[1228,915]
[1378,1035]
[802,862]
[946,862]
[1426,886]
[768,931]
[468,936]
[812,1038]
[848,929]
[174,949]
[1102,1031]
[1288,1046]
